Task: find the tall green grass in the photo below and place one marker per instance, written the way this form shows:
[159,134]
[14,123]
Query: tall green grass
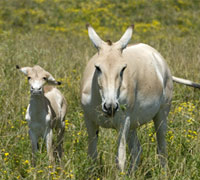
[52,34]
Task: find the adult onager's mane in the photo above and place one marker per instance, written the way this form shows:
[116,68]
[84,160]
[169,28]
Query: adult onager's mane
[124,87]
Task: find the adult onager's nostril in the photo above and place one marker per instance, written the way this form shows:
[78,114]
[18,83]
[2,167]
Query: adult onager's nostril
[117,107]
[105,107]
[110,109]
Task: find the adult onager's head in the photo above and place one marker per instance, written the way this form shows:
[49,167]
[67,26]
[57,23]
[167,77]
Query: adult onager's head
[110,66]
[131,85]
[37,78]
[46,110]
[109,81]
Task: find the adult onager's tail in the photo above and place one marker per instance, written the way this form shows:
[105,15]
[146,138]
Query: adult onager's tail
[185,82]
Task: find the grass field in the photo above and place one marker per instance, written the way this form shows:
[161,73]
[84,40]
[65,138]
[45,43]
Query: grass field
[52,34]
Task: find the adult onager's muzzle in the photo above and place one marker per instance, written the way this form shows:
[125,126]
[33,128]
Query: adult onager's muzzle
[110,108]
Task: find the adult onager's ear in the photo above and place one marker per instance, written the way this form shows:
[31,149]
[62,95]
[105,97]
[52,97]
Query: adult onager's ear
[52,81]
[123,42]
[23,69]
[94,37]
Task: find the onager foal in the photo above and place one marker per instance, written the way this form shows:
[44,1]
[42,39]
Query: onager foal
[46,110]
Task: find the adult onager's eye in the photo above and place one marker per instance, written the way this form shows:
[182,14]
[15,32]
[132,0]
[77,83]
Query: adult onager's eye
[45,78]
[29,78]
[122,71]
[98,68]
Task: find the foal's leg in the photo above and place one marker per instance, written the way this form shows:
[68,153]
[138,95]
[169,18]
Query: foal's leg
[49,144]
[34,140]
[60,137]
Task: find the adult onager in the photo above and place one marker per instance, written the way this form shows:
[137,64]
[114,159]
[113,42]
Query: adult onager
[46,110]
[124,88]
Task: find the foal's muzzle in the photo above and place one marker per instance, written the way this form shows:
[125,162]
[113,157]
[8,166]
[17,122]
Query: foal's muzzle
[36,91]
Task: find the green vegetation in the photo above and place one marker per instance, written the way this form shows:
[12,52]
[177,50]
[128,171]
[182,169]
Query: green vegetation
[52,33]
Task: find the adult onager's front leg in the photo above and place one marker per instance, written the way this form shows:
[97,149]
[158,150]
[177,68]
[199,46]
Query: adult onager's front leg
[135,149]
[121,152]
[93,131]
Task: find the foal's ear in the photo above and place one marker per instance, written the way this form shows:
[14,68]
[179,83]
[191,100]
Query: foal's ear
[51,80]
[24,70]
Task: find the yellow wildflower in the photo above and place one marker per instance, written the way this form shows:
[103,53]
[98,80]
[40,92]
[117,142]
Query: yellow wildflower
[6,154]
[194,132]
[26,162]
[39,1]
[122,173]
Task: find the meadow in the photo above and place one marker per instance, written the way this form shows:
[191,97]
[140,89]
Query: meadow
[52,34]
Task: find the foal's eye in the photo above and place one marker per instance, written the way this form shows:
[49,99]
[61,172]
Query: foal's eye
[45,78]
[29,78]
